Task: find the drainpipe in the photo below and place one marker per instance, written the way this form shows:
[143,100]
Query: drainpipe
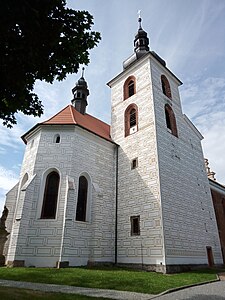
[116,213]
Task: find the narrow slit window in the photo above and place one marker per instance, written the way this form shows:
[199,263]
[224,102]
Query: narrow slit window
[135,225]
[134,163]
[57,139]
[82,199]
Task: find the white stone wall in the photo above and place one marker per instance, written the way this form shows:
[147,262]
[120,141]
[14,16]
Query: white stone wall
[138,189]
[188,215]
[43,242]
[10,203]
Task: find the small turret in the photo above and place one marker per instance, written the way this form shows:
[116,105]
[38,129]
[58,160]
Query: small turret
[80,93]
[210,174]
[141,45]
[141,40]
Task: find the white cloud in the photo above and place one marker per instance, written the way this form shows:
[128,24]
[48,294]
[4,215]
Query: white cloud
[204,103]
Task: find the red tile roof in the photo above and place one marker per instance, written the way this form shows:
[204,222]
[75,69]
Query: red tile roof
[69,115]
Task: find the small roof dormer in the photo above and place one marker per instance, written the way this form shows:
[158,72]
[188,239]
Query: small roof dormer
[80,94]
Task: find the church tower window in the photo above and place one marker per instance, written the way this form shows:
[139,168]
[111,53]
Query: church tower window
[129,88]
[166,86]
[131,119]
[50,196]
[82,199]
[170,120]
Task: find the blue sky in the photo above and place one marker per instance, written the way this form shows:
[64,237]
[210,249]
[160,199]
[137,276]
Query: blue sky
[189,35]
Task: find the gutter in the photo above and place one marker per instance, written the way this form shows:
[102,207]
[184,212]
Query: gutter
[116,208]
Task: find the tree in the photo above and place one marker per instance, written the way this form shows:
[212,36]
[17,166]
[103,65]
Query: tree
[39,39]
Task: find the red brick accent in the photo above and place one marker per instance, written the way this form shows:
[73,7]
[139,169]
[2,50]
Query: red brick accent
[127,118]
[166,86]
[170,114]
[125,86]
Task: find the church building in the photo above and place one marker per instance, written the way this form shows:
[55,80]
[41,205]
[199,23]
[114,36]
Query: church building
[133,193]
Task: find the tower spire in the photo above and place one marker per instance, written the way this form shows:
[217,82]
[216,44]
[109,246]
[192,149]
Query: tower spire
[141,43]
[80,93]
[141,40]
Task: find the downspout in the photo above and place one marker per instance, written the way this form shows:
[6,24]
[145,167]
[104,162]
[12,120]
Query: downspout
[116,208]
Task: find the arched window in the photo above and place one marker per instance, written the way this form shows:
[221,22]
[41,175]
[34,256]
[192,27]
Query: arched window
[131,119]
[57,139]
[129,87]
[82,199]
[50,196]
[166,86]
[170,120]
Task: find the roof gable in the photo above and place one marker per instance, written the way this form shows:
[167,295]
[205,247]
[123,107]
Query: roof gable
[70,116]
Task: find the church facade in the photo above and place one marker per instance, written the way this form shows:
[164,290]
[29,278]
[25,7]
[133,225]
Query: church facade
[135,192]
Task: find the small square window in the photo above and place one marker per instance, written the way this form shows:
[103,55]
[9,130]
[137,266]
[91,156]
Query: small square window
[134,163]
[135,225]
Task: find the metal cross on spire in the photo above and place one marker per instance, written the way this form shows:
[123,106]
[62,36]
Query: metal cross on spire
[139,18]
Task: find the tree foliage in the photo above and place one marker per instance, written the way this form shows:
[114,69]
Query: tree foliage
[39,39]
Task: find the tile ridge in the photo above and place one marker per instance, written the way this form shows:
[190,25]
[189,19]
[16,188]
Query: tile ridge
[55,115]
[72,114]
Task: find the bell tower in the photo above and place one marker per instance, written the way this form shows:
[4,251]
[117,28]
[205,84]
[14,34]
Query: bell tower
[163,190]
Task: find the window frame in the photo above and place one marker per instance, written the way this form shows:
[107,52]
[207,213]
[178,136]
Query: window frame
[127,119]
[134,163]
[166,86]
[170,120]
[126,87]
[135,229]
[57,138]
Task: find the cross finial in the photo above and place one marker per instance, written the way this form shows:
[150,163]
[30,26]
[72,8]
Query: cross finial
[139,14]
[139,18]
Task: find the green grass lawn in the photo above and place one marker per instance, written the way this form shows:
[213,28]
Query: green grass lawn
[22,294]
[109,278]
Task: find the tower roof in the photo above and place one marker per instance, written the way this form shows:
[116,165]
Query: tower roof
[80,94]
[70,116]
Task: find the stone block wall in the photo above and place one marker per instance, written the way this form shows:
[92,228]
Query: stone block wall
[188,216]
[44,242]
[138,189]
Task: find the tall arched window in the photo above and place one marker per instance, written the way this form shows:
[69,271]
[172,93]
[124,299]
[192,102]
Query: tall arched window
[131,119]
[166,86]
[50,196]
[129,87]
[170,120]
[82,199]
